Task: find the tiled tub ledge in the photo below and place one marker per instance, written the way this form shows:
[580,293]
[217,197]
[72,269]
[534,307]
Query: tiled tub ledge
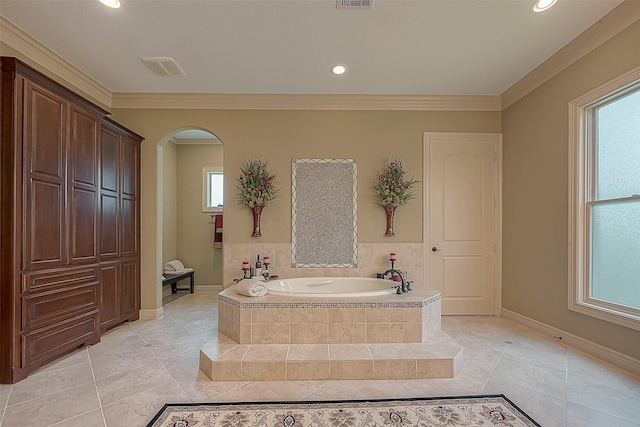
[275,319]
[277,337]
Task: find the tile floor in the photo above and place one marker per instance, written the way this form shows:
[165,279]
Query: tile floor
[125,379]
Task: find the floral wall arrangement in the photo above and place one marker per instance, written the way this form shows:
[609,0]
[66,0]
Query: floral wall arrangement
[256,189]
[394,188]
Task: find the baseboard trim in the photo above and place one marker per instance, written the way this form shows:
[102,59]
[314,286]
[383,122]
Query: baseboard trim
[598,351]
[216,288]
[151,313]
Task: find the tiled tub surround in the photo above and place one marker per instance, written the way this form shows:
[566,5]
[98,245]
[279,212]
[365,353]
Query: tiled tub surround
[295,338]
[276,319]
[372,258]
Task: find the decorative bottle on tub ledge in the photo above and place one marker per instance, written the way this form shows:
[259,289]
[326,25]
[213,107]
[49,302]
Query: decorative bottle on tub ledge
[258,271]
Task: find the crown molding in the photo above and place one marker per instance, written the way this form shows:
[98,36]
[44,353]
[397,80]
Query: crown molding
[55,65]
[35,51]
[197,101]
[611,24]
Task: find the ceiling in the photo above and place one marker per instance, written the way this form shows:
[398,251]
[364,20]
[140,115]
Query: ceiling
[412,47]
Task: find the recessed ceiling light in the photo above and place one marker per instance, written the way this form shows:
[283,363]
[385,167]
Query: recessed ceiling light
[542,5]
[111,3]
[338,69]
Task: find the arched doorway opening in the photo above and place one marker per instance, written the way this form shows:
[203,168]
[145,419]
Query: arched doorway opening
[190,163]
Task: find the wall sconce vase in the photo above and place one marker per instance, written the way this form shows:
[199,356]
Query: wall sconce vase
[257,212]
[390,210]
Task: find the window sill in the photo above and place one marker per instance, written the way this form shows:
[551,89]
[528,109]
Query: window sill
[601,310]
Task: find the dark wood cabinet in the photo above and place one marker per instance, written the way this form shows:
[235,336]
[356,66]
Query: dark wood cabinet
[69,193]
[119,219]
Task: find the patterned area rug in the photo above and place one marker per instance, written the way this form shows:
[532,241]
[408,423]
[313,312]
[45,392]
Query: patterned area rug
[490,410]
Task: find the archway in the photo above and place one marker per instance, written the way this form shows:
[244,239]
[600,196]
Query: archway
[186,222]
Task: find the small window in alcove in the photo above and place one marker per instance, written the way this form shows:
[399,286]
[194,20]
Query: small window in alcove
[212,189]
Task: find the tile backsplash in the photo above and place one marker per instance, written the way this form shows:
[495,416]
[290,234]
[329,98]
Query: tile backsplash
[372,258]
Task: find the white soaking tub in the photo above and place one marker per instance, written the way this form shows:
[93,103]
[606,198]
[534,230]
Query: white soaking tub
[331,287]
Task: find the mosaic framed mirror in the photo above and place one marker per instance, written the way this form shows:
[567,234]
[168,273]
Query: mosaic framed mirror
[324,213]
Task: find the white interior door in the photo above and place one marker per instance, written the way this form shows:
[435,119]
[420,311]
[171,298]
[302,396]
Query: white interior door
[462,221]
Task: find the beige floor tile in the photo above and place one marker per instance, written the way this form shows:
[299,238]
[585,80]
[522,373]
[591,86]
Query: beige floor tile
[307,370]
[50,381]
[579,416]
[607,390]
[308,352]
[351,369]
[74,358]
[263,371]
[225,371]
[129,383]
[555,385]
[292,390]
[267,352]
[138,409]
[394,369]
[125,361]
[349,352]
[204,390]
[107,348]
[248,392]
[527,372]
[334,390]
[544,408]
[376,389]
[390,351]
[93,418]
[235,353]
[53,408]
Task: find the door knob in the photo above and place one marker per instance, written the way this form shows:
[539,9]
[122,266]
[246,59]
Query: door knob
[435,249]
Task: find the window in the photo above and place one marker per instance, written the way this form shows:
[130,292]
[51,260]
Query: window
[212,189]
[604,215]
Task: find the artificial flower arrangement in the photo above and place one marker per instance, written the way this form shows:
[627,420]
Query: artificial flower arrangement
[394,187]
[255,183]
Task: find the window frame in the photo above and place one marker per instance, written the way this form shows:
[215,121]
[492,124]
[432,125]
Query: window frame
[206,190]
[582,155]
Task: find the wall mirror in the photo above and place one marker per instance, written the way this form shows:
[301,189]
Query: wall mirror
[324,208]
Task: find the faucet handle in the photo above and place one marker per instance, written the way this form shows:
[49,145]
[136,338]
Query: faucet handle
[409,287]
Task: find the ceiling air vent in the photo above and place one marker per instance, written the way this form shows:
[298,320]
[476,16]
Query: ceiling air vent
[163,66]
[354,4]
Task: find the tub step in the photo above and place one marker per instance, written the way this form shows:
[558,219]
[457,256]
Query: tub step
[225,360]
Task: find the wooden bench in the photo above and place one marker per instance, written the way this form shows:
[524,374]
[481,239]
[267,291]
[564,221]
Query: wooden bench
[173,279]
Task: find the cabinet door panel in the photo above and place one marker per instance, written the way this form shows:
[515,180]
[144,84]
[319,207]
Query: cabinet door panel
[45,115]
[42,345]
[129,290]
[129,227]
[83,225]
[45,225]
[83,186]
[109,226]
[44,308]
[109,159]
[130,162]
[84,148]
[109,279]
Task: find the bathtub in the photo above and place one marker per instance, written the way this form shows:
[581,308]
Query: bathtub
[331,286]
